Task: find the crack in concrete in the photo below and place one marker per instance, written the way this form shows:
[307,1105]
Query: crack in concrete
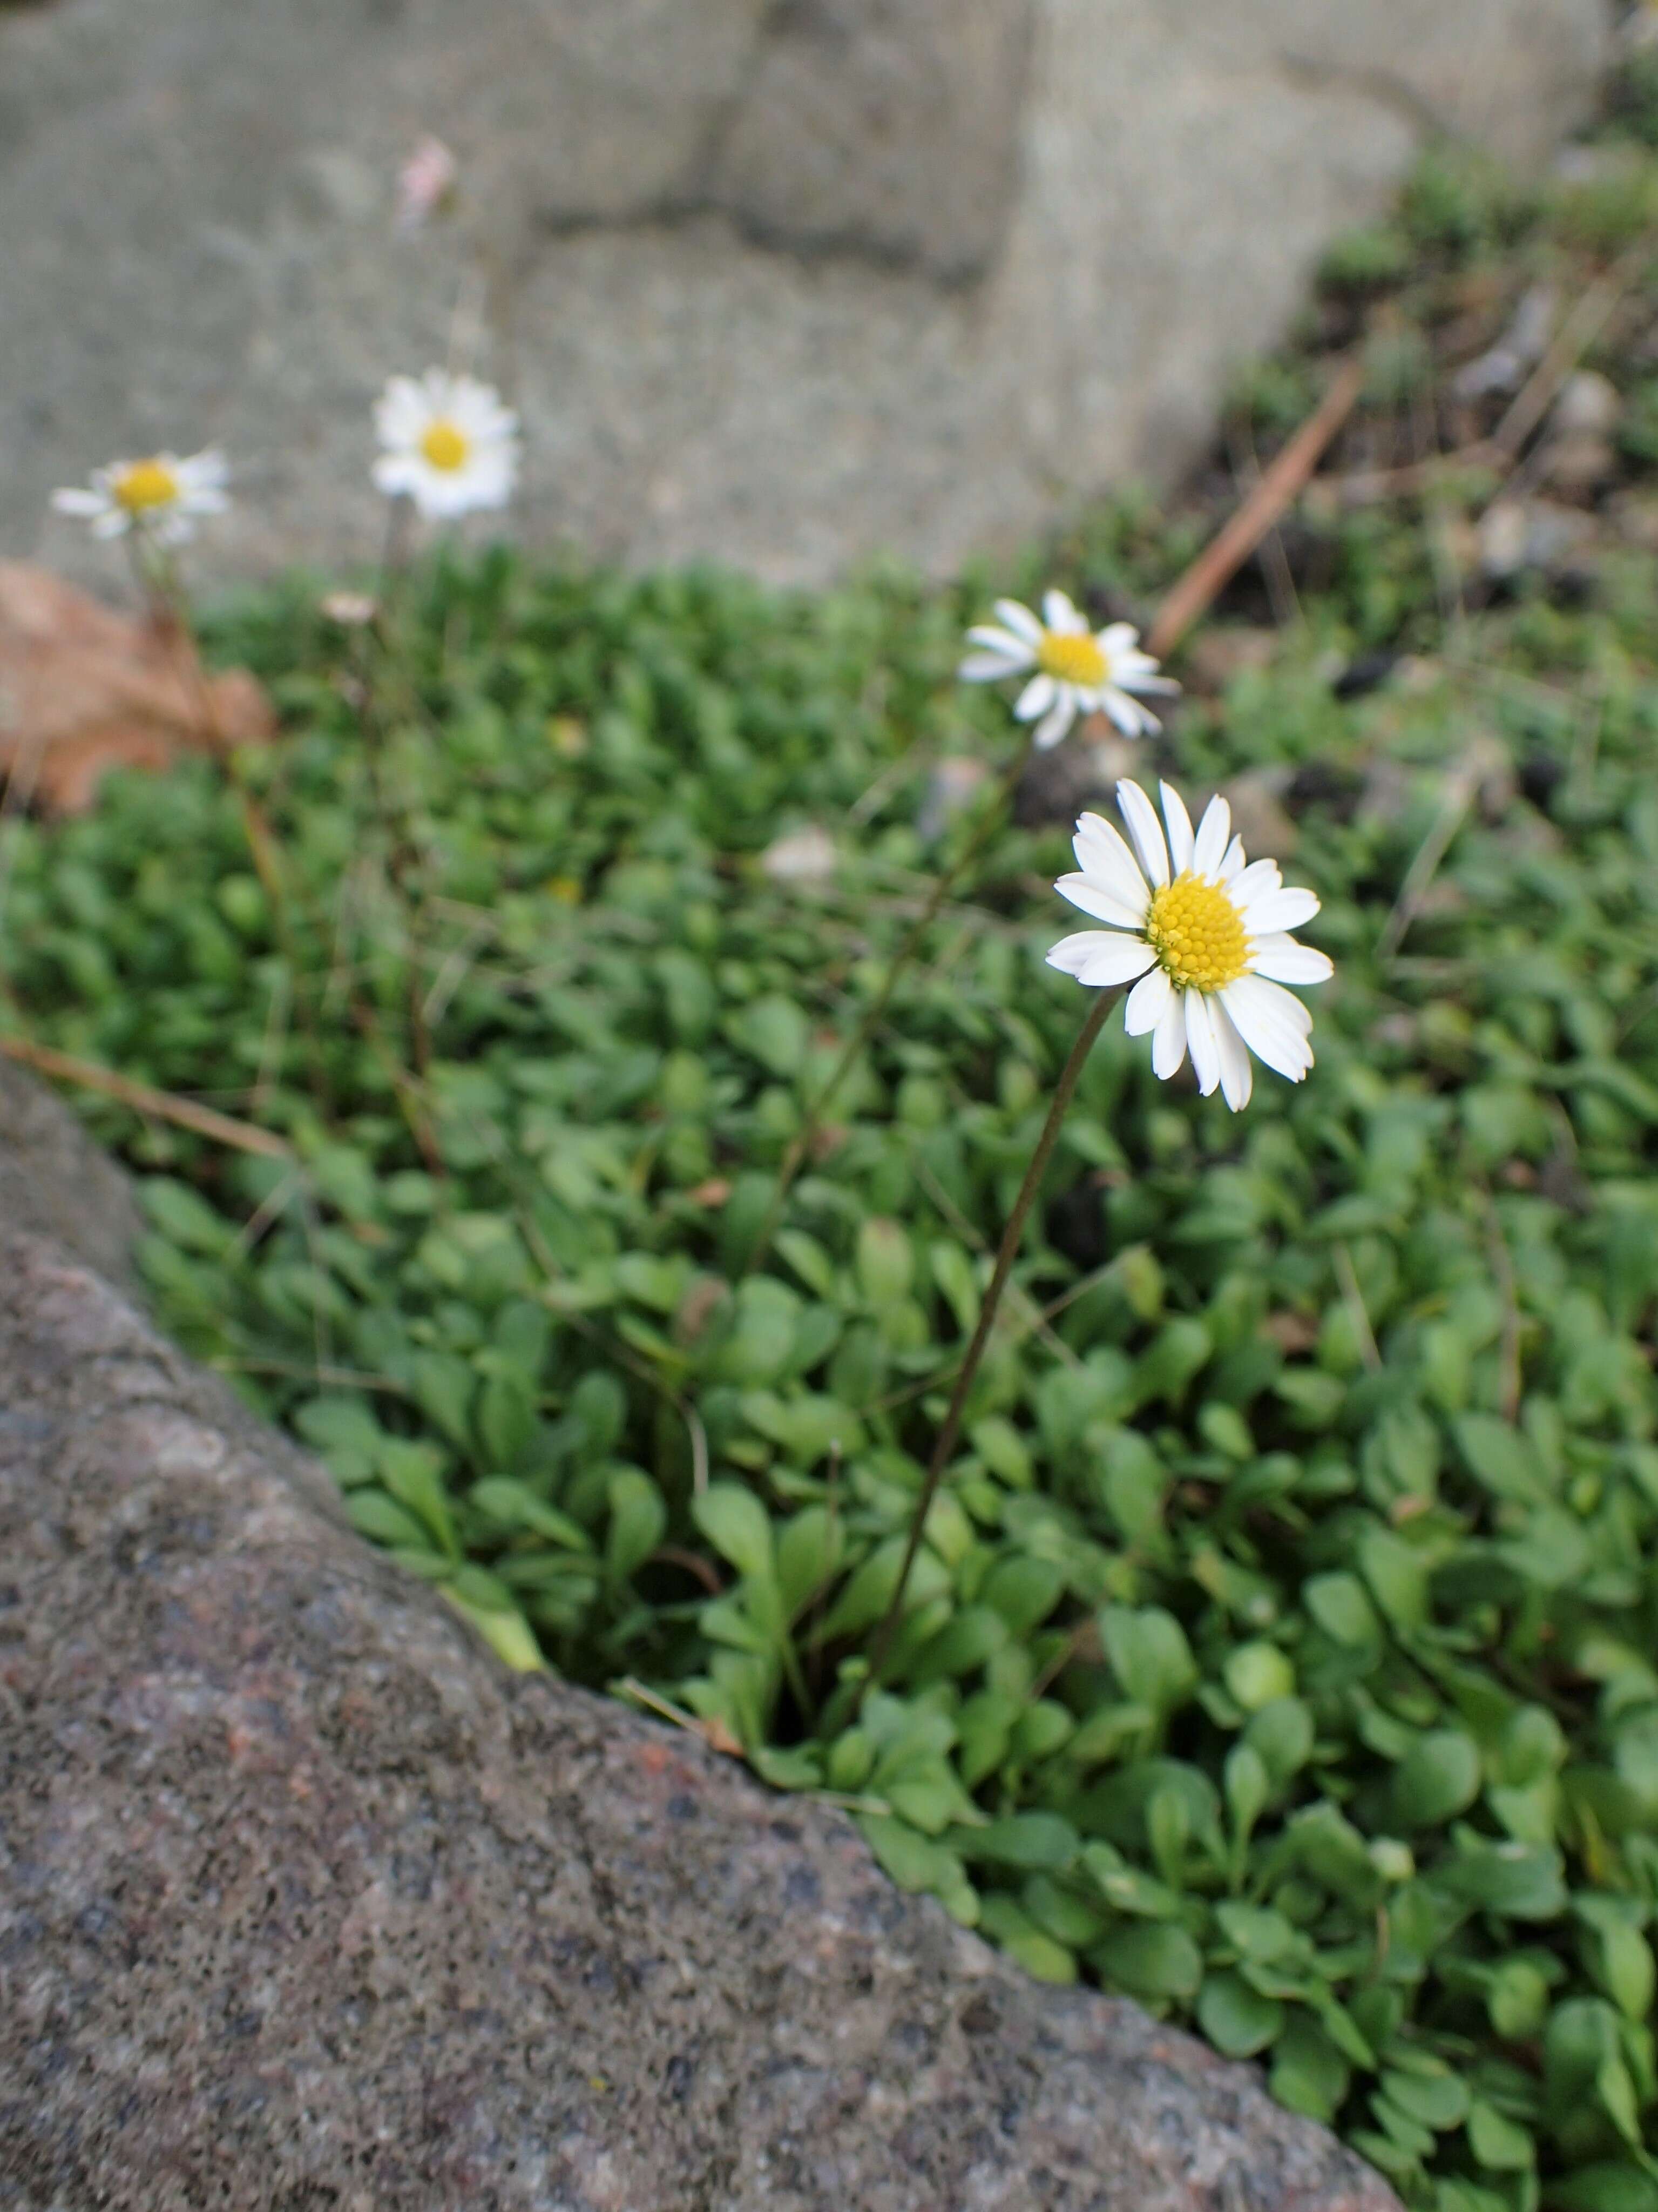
[1304,74]
[701,196]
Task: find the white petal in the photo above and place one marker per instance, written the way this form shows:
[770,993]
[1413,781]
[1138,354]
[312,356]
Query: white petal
[1057,721]
[84,505]
[395,473]
[988,667]
[114,522]
[1232,865]
[994,639]
[1254,882]
[1259,1023]
[479,409]
[1201,1036]
[1283,961]
[1093,898]
[1059,612]
[1102,853]
[1168,1040]
[1180,828]
[1117,640]
[402,413]
[1097,958]
[1278,910]
[1214,833]
[207,472]
[1236,1078]
[1145,830]
[1020,620]
[1148,1002]
[1278,1005]
[1036,698]
[1130,717]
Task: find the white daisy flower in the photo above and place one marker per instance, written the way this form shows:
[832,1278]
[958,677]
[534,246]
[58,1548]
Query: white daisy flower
[447,443]
[1201,937]
[162,498]
[1075,670]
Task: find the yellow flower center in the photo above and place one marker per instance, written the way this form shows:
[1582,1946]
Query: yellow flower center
[1072,658]
[1197,934]
[145,486]
[446,445]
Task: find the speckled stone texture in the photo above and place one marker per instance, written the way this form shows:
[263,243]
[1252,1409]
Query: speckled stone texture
[54,1180]
[304,1904]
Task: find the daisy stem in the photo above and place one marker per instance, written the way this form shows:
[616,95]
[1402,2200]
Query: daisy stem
[170,612]
[402,852]
[1012,1236]
[802,1144]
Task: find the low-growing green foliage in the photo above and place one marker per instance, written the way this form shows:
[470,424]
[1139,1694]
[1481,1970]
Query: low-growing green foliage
[1284,1650]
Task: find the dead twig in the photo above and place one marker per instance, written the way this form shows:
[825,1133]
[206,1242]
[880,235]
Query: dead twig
[713,1733]
[1460,787]
[1281,484]
[1353,1298]
[1365,486]
[1578,334]
[162,1105]
[1510,1377]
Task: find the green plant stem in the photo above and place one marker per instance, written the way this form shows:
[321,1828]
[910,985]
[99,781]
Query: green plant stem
[801,1146]
[403,856]
[171,615]
[943,1449]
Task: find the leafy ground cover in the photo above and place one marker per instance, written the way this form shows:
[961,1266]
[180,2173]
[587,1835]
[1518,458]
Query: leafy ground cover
[1283,1649]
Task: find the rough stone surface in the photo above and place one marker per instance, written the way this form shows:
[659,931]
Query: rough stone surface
[782,281]
[55,1182]
[304,1903]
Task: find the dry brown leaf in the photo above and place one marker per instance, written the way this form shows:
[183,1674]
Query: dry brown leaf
[84,689]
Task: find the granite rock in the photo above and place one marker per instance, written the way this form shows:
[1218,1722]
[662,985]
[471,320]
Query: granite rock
[55,1182]
[782,281]
[305,1903]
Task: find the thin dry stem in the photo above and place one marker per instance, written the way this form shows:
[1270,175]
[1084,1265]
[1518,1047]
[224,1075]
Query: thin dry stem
[1012,1236]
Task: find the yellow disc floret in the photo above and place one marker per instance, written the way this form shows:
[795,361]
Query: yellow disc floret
[1197,934]
[1072,658]
[143,486]
[446,445]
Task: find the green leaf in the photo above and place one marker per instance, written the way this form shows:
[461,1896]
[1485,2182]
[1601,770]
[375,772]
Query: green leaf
[1341,1605]
[1438,1777]
[1500,2145]
[1616,1954]
[373,1514]
[1247,1786]
[1308,2075]
[516,1506]
[1038,1842]
[774,1029]
[1258,1674]
[1153,1961]
[639,1521]
[507,1631]
[916,1863]
[1397,1577]
[1438,2100]
[738,1527]
[444,1385]
[413,1473]
[886,1265]
[1238,2020]
[1150,1656]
